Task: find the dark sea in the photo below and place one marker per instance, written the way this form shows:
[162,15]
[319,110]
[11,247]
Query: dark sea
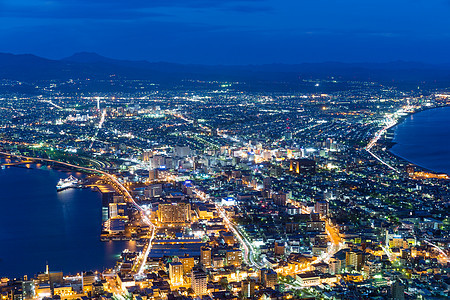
[39,225]
[424,139]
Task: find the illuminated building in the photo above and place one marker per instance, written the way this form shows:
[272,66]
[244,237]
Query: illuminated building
[204,212]
[268,277]
[227,237]
[43,290]
[229,201]
[372,268]
[117,225]
[153,190]
[153,174]
[118,199]
[62,291]
[329,143]
[188,263]
[176,273]
[218,262]
[28,289]
[308,279]
[302,166]
[173,213]
[199,281]
[117,209]
[248,288]
[88,278]
[321,207]
[205,256]
[146,155]
[279,248]
[354,259]
[316,226]
[234,257]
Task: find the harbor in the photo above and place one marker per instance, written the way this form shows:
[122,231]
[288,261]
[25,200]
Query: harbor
[62,228]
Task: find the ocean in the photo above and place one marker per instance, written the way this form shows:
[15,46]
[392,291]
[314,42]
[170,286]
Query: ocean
[424,139]
[39,225]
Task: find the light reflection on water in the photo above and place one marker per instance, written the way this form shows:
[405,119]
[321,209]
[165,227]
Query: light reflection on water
[39,224]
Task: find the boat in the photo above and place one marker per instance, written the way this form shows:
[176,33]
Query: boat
[70,182]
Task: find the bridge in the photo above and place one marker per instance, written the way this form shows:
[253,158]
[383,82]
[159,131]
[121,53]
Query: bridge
[18,163]
[140,265]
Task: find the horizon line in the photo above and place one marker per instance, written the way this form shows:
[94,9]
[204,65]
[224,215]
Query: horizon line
[224,64]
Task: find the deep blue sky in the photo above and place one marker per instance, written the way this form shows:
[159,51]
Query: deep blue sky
[230,31]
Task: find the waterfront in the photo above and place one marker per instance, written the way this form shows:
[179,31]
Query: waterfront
[424,139]
[40,225]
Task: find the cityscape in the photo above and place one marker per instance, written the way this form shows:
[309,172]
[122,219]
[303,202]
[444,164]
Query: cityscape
[231,194]
[224,150]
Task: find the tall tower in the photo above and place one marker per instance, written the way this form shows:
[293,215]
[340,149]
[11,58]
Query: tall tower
[98,103]
[176,273]
[199,281]
[205,256]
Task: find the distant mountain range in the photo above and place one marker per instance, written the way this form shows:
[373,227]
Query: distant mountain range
[31,68]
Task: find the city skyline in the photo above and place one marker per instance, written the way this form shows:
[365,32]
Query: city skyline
[224,150]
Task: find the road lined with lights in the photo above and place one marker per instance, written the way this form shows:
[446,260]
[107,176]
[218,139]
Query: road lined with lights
[100,124]
[124,191]
[444,254]
[390,122]
[249,251]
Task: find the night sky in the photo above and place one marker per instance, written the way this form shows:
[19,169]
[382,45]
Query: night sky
[230,31]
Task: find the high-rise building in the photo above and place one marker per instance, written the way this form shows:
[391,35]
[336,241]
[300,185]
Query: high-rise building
[146,155]
[279,248]
[88,278]
[353,259]
[234,257]
[248,288]
[321,207]
[292,227]
[371,268]
[302,166]
[328,143]
[182,151]
[173,213]
[117,209]
[398,290]
[176,273]
[188,263]
[153,174]
[280,198]
[153,190]
[28,289]
[268,277]
[199,282]
[205,256]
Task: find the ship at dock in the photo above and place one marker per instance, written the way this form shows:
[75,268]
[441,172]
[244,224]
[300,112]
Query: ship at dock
[70,182]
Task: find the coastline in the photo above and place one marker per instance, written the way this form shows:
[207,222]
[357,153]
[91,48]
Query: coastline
[388,140]
[74,206]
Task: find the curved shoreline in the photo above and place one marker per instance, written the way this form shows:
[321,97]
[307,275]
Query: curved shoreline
[391,142]
[83,204]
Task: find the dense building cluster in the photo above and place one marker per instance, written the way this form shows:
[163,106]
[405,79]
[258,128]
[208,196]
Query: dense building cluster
[233,194]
